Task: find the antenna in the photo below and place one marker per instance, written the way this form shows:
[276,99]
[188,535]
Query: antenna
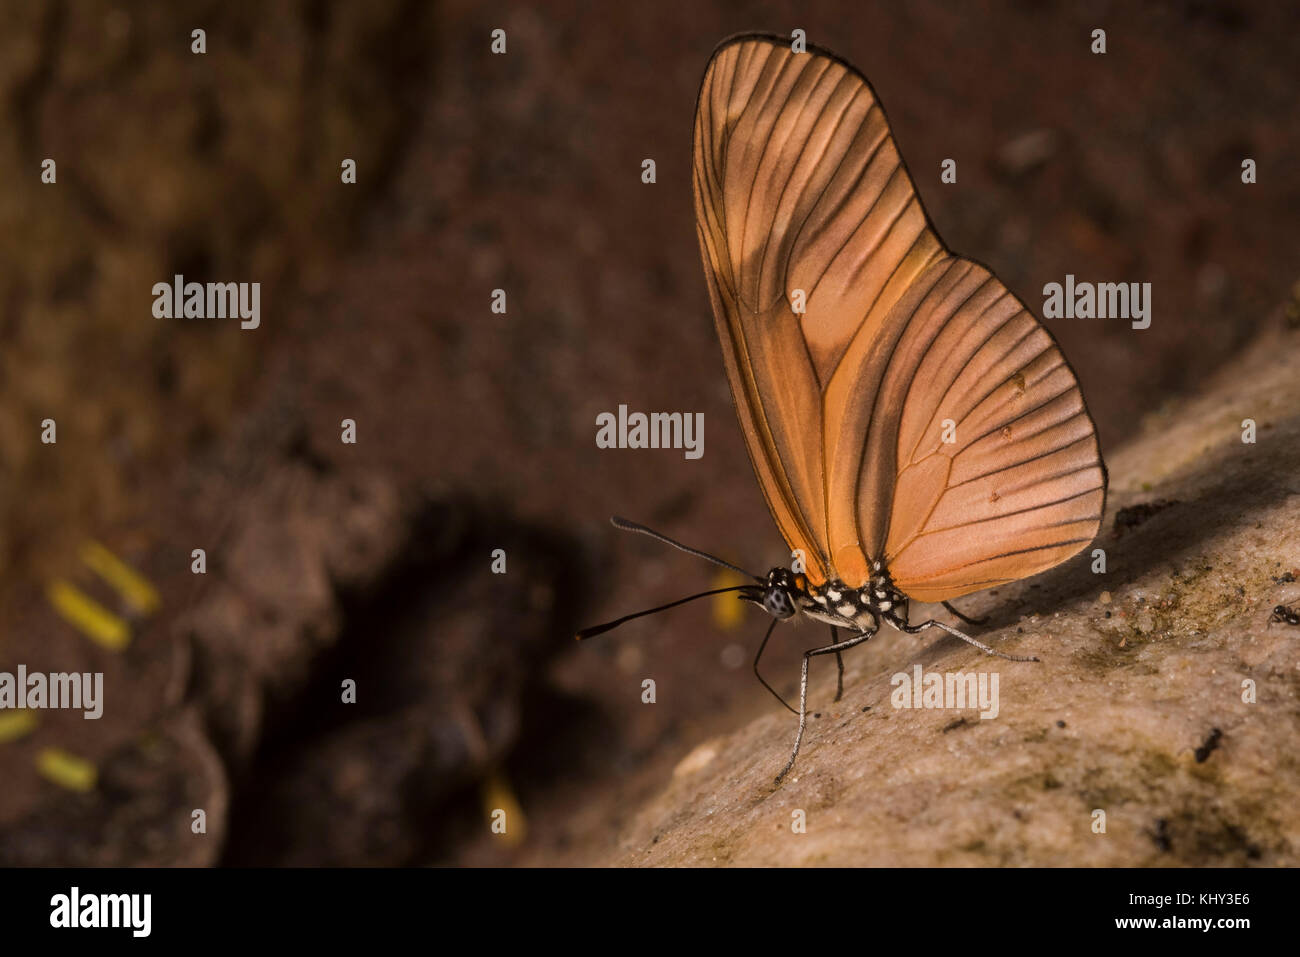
[629,526]
[595,630]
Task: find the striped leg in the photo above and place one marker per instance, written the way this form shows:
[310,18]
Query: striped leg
[803,690]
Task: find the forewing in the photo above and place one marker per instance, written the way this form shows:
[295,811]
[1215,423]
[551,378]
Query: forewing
[800,196]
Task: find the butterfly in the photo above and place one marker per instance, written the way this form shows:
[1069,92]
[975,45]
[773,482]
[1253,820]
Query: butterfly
[916,431]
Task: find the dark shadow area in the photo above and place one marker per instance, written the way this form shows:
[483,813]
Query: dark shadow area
[448,661]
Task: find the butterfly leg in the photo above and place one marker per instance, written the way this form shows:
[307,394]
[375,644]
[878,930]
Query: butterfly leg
[961,617]
[803,690]
[770,629]
[915,629]
[839,663]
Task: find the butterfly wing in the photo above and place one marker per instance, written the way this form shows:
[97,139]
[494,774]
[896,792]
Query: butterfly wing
[913,411]
[979,428]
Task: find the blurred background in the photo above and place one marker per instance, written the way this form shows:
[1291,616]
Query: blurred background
[476,431]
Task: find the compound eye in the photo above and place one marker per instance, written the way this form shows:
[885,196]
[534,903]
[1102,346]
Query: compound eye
[777,603]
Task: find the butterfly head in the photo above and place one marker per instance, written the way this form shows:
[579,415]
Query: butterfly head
[778,594]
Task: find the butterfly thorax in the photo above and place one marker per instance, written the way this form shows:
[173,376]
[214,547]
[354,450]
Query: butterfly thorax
[834,601]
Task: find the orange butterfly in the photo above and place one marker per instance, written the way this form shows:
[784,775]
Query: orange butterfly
[916,431]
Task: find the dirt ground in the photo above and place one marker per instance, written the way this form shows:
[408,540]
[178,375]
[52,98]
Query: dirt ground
[372,562]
